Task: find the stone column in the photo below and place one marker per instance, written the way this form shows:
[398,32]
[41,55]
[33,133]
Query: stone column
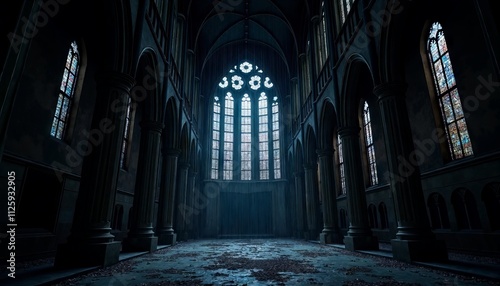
[330,233]
[359,235]
[180,207]
[190,210]
[141,236]
[91,242]
[299,200]
[291,208]
[164,227]
[312,203]
[414,238]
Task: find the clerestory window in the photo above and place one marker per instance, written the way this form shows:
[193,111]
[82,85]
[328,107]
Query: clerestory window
[65,98]
[447,95]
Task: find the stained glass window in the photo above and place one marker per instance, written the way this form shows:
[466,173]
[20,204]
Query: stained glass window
[340,166]
[448,97]
[370,149]
[246,138]
[249,130]
[276,138]
[66,92]
[228,137]
[215,139]
[321,40]
[126,136]
[263,137]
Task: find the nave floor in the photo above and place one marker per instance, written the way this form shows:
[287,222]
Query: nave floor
[266,262]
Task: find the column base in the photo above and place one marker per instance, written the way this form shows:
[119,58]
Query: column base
[419,250]
[183,236]
[312,235]
[353,243]
[149,244]
[298,234]
[167,238]
[83,255]
[330,237]
[307,235]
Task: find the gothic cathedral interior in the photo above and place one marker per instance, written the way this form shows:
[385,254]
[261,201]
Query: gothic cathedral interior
[130,124]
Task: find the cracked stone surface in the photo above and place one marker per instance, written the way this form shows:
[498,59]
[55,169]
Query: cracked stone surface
[265,262]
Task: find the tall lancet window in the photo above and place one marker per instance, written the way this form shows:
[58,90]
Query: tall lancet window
[370,148]
[246,138]
[445,85]
[66,93]
[340,166]
[276,138]
[263,137]
[216,139]
[247,122]
[127,137]
[228,136]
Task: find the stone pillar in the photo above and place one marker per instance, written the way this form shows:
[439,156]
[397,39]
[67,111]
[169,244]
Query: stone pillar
[312,203]
[164,227]
[291,208]
[299,200]
[141,236]
[330,233]
[190,211]
[359,235]
[91,242]
[180,207]
[414,238]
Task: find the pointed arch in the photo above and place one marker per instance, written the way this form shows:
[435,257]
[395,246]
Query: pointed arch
[145,96]
[354,111]
[171,122]
[184,144]
[311,156]
[147,90]
[327,125]
[299,157]
[358,83]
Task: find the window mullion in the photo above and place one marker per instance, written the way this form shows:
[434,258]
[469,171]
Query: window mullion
[237,138]
[222,132]
[270,142]
[255,138]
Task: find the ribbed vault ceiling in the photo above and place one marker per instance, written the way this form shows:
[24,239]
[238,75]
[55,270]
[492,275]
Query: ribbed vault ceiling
[271,25]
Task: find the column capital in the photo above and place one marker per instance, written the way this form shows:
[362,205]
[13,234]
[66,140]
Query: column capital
[115,79]
[173,152]
[348,131]
[390,89]
[308,167]
[184,165]
[152,125]
[326,152]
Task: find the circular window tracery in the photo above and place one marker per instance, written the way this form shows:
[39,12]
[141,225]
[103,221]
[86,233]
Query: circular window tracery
[224,83]
[268,83]
[255,82]
[246,67]
[237,82]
